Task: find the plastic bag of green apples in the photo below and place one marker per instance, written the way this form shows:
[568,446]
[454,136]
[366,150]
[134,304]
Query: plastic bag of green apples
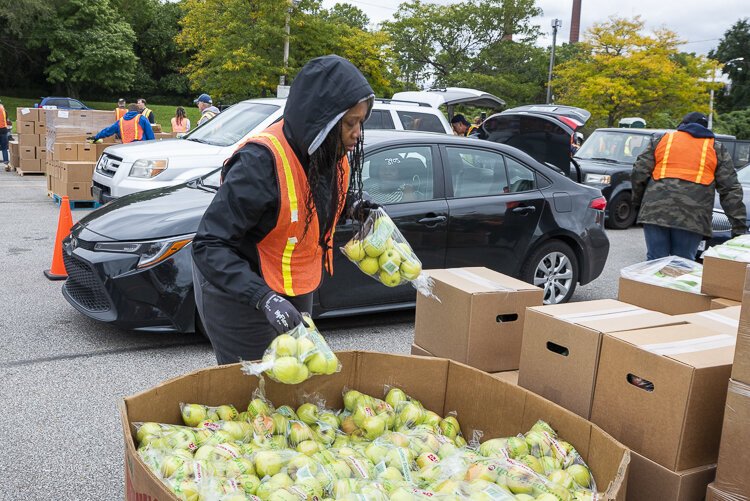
[373,449]
[381,251]
[295,356]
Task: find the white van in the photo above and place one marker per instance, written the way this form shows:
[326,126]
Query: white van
[130,168]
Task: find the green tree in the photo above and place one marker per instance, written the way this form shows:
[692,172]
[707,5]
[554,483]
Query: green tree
[22,61]
[89,47]
[467,43]
[736,123]
[735,44]
[621,72]
[348,14]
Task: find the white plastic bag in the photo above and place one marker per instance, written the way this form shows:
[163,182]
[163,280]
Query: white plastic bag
[671,271]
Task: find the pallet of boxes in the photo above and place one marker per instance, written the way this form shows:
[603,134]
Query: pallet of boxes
[71,159]
[29,152]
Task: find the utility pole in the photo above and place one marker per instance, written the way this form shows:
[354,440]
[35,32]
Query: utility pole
[556,23]
[283,89]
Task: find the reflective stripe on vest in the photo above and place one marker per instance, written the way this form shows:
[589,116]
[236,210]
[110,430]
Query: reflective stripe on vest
[146,112]
[3,118]
[120,112]
[290,263]
[128,133]
[682,156]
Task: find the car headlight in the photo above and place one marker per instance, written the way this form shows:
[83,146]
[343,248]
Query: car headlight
[148,168]
[597,179]
[151,252]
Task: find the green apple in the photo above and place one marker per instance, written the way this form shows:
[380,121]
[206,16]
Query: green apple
[446,450]
[532,462]
[227,413]
[306,348]
[287,411]
[308,447]
[239,431]
[268,463]
[539,444]
[289,370]
[309,487]
[299,432]
[181,438]
[286,346]
[350,399]
[369,265]
[562,478]
[392,474]
[186,490]
[449,427]
[542,426]
[374,246]
[174,463]
[547,497]
[460,441]
[426,459]
[389,261]
[361,412]
[395,396]
[373,427]
[431,419]
[239,466]
[329,418]
[354,250]
[307,413]
[580,474]
[550,464]
[583,495]
[193,414]
[390,280]
[409,415]
[319,363]
[410,270]
[493,447]
[148,429]
[517,447]
[248,483]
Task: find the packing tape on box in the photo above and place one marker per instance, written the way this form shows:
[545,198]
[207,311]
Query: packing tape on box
[473,277]
[739,388]
[691,345]
[720,318]
[602,314]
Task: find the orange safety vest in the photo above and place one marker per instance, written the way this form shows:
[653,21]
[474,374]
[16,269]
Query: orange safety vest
[289,263]
[3,117]
[130,133]
[120,112]
[682,156]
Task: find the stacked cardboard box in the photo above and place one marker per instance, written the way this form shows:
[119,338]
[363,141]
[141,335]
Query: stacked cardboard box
[721,302]
[31,129]
[663,299]
[660,391]
[723,277]
[483,404]
[14,151]
[733,469]
[478,319]
[71,160]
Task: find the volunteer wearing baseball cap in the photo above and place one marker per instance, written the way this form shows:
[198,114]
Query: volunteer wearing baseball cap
[674,182]
[206,107]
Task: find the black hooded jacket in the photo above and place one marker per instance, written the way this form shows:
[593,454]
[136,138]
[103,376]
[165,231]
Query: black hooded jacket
[246,206]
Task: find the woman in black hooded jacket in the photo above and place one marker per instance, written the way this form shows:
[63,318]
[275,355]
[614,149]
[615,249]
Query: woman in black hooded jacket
[263,242]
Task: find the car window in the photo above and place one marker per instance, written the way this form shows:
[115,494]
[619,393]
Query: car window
[615,146]
[232,124]
[520,177]
[401,174]
[60,103]
[380,119]
[426,122]
[742,154]
[74,105]
[477,173]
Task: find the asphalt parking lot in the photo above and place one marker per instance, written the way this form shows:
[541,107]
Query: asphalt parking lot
[63,375]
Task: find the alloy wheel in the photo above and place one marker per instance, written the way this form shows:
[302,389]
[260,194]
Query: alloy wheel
[554,273]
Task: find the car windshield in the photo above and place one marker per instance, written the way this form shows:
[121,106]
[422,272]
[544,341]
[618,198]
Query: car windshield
[232,124]
[613,146]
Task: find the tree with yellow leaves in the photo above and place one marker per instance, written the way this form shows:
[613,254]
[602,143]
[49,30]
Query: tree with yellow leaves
[623,72]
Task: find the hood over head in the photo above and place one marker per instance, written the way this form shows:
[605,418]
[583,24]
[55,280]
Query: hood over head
[324,89]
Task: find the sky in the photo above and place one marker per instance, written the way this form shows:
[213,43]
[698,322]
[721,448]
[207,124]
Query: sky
[700,23]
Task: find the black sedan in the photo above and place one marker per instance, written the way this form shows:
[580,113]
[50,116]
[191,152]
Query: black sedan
[459,202]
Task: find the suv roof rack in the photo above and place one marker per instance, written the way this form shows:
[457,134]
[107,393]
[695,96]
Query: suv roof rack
[385,100]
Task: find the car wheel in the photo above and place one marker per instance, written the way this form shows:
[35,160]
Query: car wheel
[554,268]
[621,212]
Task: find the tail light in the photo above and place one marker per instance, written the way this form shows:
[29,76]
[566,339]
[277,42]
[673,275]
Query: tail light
[598,203]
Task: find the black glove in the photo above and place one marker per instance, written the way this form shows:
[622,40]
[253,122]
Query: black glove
[91,139]
[281,314]
[361,208]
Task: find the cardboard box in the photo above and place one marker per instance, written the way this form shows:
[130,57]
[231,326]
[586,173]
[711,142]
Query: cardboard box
[25,128]
[77,172]
[649,481]
[87,152]
[30,165]
[714,494]
[65,152]
[100,147]
[741,366]
[28,140]
[27,152]
[676,420]
[419,351]
[40,129]
[723,277]
[733,471]
[480,319]
[663,299]
[507,376]
[75,191]
[722,302]
[725,320]
[482,402]
[35,115]
[41,153]
[560,350]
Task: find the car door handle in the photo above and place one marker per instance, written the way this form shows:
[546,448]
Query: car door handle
[524,209]
[431,221]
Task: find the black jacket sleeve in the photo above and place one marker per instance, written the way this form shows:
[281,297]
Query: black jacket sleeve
[243,211]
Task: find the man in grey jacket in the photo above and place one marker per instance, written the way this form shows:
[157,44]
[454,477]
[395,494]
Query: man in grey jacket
[206,107]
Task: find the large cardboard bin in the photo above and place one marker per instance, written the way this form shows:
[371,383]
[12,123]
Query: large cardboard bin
[661,392]
[482,403]
[478,320]
[723,277]
[741,367]
[560,350]
[663,299]
[733,472]
[649,481]
[725,320]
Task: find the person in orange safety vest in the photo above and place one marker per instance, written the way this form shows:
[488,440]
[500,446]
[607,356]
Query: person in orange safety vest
[131,127]
[121,109]
[266,238]
[5,126]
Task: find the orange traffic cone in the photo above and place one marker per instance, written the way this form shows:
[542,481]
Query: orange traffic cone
[64,224]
